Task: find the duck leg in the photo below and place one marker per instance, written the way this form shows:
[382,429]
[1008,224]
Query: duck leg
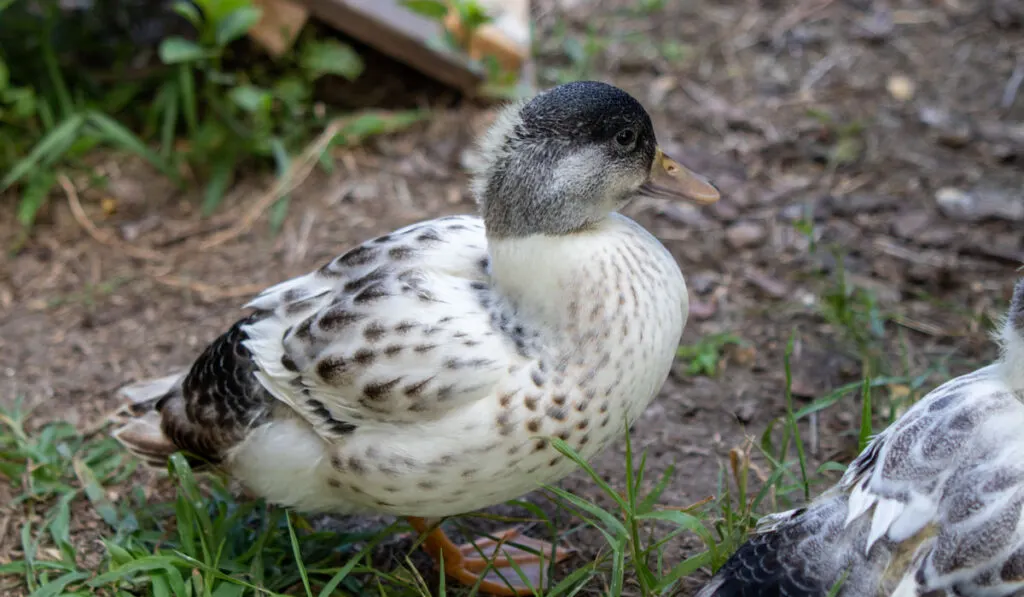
[490,561]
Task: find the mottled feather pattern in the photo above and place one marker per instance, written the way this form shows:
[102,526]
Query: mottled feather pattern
[386,332]
[934,504]
[205,412]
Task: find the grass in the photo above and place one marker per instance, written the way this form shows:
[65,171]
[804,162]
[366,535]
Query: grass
[205,542]
[208,107]
[703,357]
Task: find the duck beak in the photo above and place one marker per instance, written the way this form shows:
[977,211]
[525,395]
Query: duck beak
[672,180]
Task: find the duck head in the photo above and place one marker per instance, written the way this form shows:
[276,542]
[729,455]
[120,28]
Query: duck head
[561,162]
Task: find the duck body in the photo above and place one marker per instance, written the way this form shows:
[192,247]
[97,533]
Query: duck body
[423,373]
[425,385]
[933,506]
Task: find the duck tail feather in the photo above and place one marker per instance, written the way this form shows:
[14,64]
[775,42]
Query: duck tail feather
[139,420]
[146,440]
[143,395]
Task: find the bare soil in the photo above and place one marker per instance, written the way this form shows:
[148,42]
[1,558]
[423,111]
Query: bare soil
[897,127]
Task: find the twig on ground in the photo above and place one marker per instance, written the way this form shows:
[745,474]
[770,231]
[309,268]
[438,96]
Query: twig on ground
[296,174]
[98,235]
[798,15]
[209,291]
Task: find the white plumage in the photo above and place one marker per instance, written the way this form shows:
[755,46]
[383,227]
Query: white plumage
[440,377]
[935,503]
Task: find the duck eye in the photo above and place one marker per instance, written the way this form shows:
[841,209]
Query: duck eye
[625,137]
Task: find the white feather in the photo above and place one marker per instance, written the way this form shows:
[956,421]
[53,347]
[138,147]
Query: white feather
[886,511]
[860,501]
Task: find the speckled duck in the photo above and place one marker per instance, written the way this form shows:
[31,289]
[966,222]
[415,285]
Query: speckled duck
[934,506]
[419,373]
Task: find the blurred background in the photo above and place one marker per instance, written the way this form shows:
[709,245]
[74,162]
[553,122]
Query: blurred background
[162,161]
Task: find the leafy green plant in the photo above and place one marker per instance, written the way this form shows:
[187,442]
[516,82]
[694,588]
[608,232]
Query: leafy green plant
[703,357]
[230,116]
[68,124]
[855,312]
[203,112]
[845,139]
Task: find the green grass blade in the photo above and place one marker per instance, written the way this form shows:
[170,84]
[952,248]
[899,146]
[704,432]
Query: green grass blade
[866,429]
[169,123]
[34,196]
[222,173]
[834,589]
[146,564]
[684,568]
[56,78]
[611,522]
[94,491]
[56,586]
[345,570]
[28,547]
[228,589]
[282,162]
[118,134]
[161,588]
[298,555]
[652,498]
[567,450]
[190,503]
[618,579]
[794,429]
[187,89]
[48,150]
[215,573]
[680,519]
[60,526]
[574,582]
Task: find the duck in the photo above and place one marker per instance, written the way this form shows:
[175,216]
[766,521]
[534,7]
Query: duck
[423,373]
[934,505]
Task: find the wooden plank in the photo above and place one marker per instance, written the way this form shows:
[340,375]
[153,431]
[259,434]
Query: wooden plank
[400,33]
[506,37]
[280,24]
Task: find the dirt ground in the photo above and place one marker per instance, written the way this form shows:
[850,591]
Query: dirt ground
[897,127]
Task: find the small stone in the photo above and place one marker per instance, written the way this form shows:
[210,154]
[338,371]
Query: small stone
[950,129]
[769,285]
[744,355]
[1007,13]
[702,310]
[900,87]
[724,210]
[362,191]
[743,235]
[876,27]
[702,282]
[909,225]
[687,215]
[980,204]
[936,236]
[745,411]
[857,203]
[660,87]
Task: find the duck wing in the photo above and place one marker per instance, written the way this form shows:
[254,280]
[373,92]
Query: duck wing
[397,330]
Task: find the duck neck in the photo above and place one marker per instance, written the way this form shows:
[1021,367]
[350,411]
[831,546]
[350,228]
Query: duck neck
[546,279]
